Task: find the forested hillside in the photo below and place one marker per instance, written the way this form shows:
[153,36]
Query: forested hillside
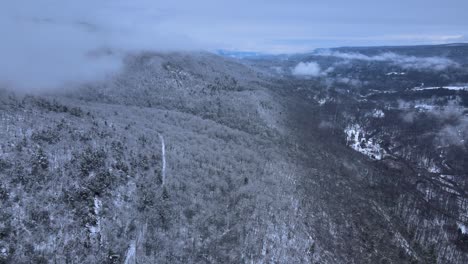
[195,158]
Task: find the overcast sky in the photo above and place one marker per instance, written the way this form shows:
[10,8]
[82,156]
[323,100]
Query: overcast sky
[63,33]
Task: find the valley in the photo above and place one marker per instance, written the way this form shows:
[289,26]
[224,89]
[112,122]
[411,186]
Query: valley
[192,157]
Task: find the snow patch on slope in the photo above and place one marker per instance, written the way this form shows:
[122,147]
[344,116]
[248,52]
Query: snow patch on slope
[429,164]
[95,230]
[377,113]
[451,87]
[463,228]
[434,169]
[395,73]
[322,101]
[356,139]
[423,107]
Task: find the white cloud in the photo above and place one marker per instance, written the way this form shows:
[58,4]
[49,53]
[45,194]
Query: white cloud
[52,43]
[307,69]
[456,135]
[407,62]
[47,42]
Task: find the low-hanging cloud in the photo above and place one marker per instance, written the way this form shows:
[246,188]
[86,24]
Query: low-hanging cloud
[453,123]
[49,43]
[307,69]
[406,62]
[454,134]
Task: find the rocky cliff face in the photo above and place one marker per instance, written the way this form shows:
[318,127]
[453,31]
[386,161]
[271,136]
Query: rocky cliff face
[194,158]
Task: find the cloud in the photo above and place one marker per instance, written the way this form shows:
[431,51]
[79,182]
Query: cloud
[409,116]
[48,42]
[348,81]
[307,69]
[454,135]
[453,125]
[406,62]
[52,43]
[454,131]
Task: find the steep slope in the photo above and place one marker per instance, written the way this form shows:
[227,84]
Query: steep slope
[193,158]
[83,179]
[379,210]
[415,138]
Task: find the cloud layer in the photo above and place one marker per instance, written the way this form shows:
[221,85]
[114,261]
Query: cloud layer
[51,43]
[406,62]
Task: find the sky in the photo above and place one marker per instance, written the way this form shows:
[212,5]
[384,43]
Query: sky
[84,39]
